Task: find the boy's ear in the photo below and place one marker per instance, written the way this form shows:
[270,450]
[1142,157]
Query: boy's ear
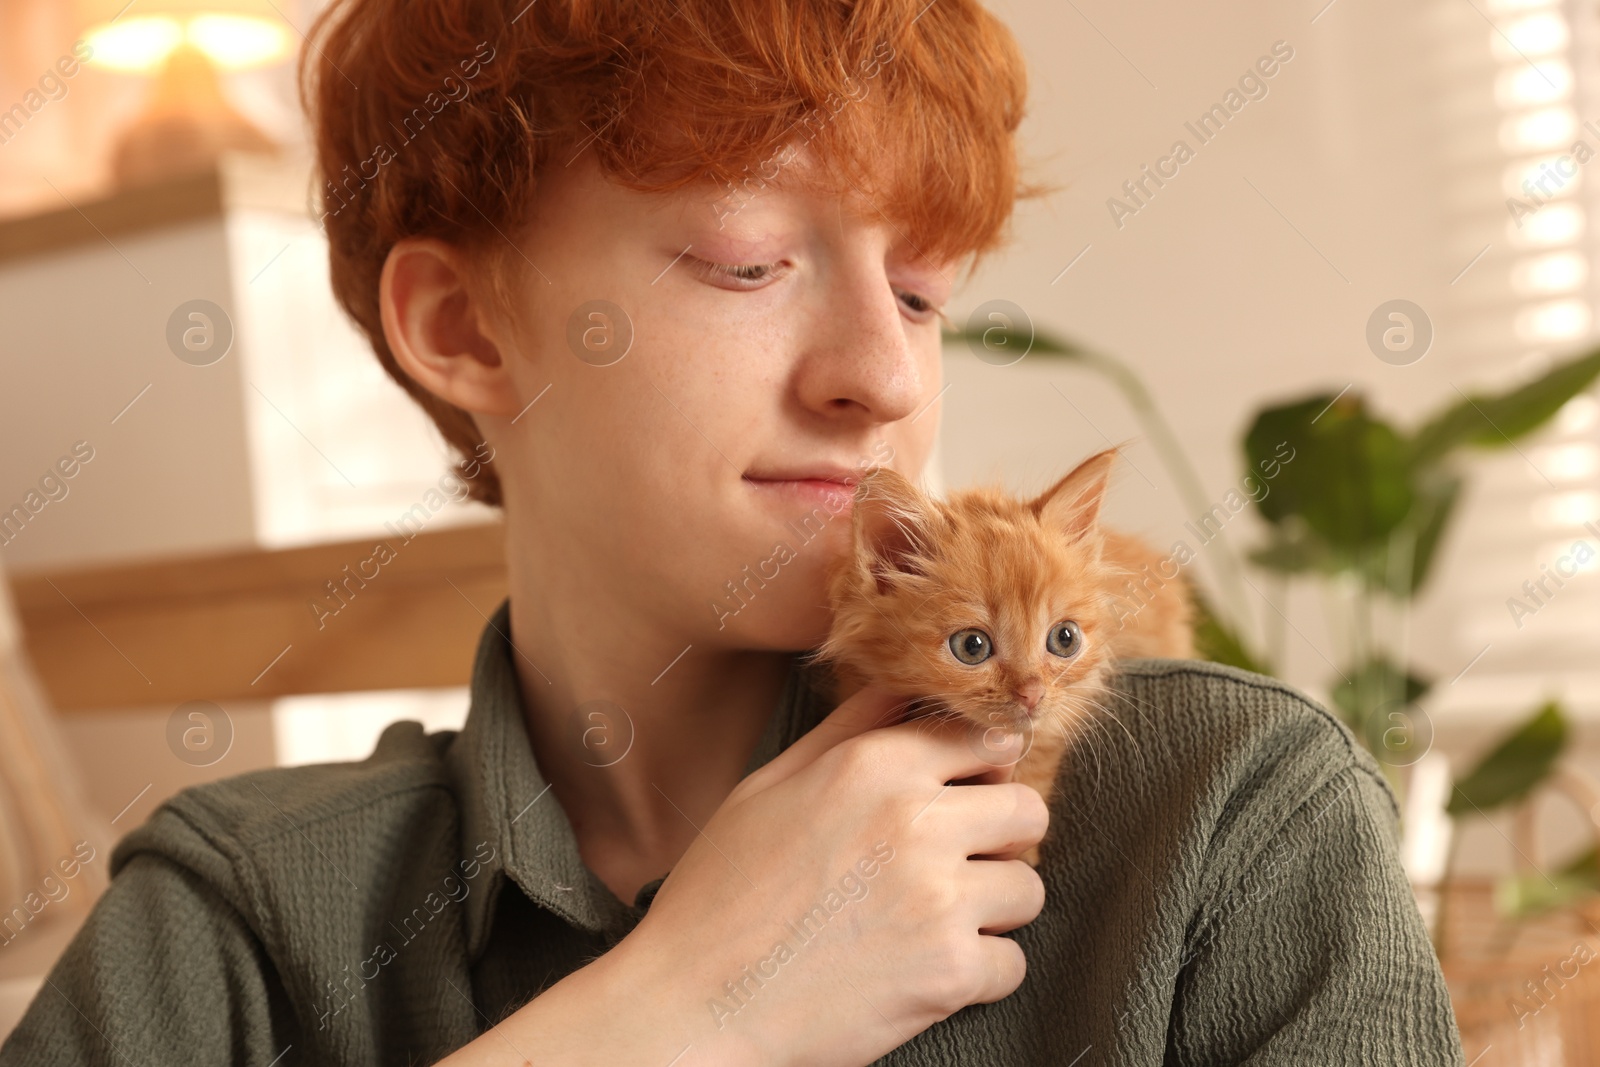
[1072,505]
[437,327]
[891,522]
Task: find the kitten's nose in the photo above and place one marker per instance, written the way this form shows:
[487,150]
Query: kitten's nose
[1029,693]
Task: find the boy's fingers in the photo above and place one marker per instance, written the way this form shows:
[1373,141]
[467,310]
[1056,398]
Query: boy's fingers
[992,776]
[970,752]
[867,709]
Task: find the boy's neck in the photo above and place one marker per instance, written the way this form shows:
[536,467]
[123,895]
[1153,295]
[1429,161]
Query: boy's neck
[639,748]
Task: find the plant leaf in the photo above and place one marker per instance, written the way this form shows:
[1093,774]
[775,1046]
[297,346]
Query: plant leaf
[997,337]
[1329,462]
[1499,420]
[1431,513]
[1292,548]
[1516,765]
[1521,896]
[1216,641]
[1369,687]
[1284,556]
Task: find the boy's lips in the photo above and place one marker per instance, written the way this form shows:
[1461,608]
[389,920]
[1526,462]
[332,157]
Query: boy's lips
[837,489]
[814,472]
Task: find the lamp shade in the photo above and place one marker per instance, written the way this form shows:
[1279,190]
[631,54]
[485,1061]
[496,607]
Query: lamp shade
[232,34]
[183,46]
[94,12]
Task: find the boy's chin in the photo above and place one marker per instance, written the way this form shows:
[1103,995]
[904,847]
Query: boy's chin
[784,627]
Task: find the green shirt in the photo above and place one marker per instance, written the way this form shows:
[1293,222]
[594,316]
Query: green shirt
[1222,887]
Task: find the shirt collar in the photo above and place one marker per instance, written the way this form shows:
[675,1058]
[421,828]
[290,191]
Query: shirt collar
[505,804]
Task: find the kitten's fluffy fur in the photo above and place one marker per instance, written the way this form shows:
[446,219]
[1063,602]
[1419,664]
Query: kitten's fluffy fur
[922,570]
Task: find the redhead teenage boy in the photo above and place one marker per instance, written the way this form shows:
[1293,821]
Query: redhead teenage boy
[631,853]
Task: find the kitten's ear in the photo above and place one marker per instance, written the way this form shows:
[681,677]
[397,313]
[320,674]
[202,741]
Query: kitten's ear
[891,521]
[1072,505]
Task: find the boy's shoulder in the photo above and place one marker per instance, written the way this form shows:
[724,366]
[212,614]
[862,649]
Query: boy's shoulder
[1219,691]
[1211,828]
[1205,718]
[340,823]
[1214,760]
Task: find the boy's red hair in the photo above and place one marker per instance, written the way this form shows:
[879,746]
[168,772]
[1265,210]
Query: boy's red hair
[435,118]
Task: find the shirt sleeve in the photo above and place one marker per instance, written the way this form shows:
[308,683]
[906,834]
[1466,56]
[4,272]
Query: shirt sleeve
[164,971]
[1317,954]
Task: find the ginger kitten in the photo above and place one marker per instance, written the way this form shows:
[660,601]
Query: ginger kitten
[1001,610]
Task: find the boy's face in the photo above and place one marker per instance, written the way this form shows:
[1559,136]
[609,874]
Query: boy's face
[653,473]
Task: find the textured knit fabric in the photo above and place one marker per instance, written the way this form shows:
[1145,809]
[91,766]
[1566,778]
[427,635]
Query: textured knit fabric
[1222,887]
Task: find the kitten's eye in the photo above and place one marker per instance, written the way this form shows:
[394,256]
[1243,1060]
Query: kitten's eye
[971,646]
[1066,640]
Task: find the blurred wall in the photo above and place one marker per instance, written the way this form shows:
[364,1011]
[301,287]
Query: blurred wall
[1247,277]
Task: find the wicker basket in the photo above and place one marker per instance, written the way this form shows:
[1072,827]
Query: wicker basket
[1527,988]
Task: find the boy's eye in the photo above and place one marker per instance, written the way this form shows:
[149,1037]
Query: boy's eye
[744,272]
[759,272]
[748,272]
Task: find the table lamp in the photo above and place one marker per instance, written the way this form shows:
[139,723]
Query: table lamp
[183,45]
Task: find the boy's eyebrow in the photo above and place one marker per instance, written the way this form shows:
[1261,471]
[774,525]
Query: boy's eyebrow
[782,206]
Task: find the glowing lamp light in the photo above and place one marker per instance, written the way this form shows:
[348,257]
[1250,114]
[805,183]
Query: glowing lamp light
[141,44]
[183,46]
[238,42]
[136,44]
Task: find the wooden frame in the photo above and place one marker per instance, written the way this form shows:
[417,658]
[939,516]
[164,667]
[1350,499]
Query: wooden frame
[376,613]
